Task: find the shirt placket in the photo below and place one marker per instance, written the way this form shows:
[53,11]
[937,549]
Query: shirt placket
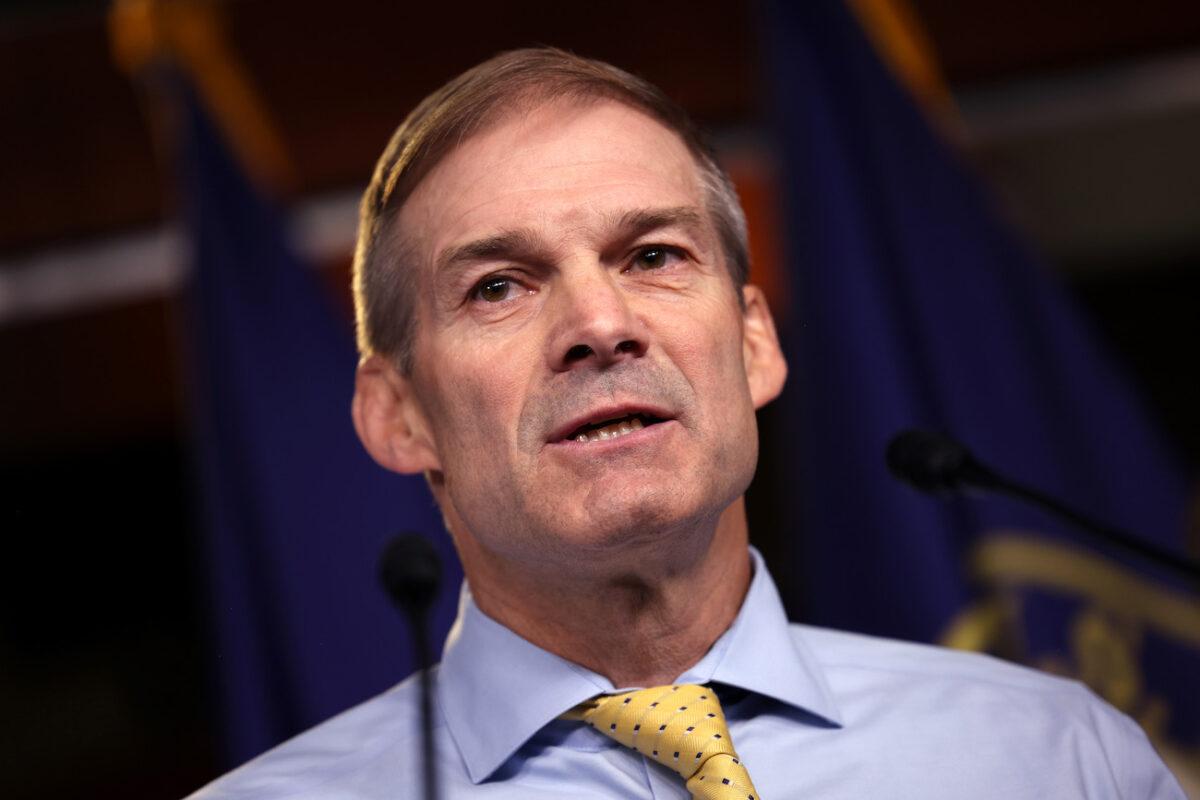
[662,783]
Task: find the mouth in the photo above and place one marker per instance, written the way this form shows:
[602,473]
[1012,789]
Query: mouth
[608,425]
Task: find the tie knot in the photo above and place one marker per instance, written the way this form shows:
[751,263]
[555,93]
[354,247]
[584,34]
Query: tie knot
[681,727]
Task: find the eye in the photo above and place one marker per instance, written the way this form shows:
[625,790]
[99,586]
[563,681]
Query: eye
[495,289]
[654,257]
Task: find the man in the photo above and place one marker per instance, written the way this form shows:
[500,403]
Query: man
[556,330]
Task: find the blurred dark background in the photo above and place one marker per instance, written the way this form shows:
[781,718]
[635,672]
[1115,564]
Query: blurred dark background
[1083,117]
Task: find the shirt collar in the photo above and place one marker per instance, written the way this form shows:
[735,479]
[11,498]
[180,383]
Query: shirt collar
[761,653]
[523,687]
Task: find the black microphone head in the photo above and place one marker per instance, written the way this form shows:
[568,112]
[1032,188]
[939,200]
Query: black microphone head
[931,462]
[410,570]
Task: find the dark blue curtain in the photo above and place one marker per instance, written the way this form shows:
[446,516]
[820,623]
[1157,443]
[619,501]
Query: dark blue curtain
[296,512]
[913,306]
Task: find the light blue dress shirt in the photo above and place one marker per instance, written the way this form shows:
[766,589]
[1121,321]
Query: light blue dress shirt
[813,713]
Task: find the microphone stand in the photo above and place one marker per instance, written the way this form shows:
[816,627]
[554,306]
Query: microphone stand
[1105,533]
[933,462]
[410,570]
[420,628]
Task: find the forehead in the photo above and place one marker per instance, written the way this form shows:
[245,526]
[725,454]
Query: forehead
[550,170]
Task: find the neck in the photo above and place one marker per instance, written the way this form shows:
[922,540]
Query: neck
[639,621]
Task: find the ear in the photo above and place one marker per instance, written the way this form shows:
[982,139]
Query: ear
[766,369]
[389,419]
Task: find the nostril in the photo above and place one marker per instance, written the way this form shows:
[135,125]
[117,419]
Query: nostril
[578,353]
[627,346]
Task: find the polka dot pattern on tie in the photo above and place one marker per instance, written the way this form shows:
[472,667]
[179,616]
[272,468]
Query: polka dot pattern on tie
[681,727]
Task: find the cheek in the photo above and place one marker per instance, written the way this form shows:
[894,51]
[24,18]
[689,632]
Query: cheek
[476,407]
[711,357]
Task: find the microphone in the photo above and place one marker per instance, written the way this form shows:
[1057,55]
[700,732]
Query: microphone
[939,464]
[410,571]
[933,462]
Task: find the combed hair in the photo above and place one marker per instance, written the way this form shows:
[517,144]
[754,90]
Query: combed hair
[384,277]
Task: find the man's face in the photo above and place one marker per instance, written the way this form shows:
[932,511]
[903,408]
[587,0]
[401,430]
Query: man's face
[580,371]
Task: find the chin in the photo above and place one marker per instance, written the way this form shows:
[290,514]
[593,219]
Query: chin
[653,518]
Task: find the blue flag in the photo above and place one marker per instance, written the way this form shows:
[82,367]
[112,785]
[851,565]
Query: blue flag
[295,511]
[913,307]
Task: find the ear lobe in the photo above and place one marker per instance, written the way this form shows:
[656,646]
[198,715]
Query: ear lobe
[389,419]
[766,369]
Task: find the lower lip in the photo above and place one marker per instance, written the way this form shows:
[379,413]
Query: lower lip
[646,435]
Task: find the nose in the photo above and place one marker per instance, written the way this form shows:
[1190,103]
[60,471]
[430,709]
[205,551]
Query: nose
[593,324]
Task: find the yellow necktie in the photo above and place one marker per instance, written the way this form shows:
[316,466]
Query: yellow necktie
[681,727]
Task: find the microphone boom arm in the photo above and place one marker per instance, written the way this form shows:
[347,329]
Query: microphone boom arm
[933,462]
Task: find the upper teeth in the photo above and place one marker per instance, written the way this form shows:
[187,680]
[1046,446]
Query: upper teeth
[611,431]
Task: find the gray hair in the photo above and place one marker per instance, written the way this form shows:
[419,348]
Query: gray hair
[384,278]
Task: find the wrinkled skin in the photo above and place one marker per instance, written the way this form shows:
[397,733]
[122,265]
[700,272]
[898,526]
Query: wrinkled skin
[569,272]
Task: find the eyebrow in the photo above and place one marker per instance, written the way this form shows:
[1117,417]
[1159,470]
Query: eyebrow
[627,227]
[517,244]
[524,245]
[632,224]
